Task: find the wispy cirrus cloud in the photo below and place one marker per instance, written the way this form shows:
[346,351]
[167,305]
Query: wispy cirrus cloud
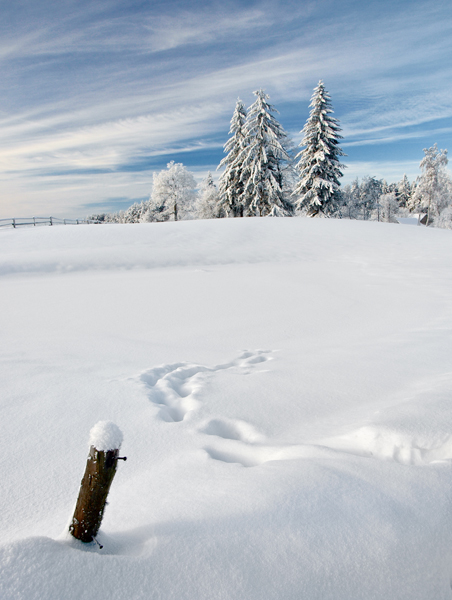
[97,90]
[391,170]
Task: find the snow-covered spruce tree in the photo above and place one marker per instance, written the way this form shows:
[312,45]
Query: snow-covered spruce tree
[173,194]
[319,169]
[208,204]
[403,192]
[434,187]
[230,183]
[263,161]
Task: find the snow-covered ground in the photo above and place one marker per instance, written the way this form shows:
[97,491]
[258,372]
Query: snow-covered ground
[284,388]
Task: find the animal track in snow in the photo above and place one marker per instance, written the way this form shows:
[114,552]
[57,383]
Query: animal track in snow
[174,387]
[254,455]
[380,446]
[231,429]
[392,445]
[242,444]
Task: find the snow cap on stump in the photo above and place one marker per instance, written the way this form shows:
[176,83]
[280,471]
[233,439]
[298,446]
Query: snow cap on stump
[105,436]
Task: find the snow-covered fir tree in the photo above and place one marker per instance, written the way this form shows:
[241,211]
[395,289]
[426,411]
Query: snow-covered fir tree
[263,160]
[173,194]
[433,191]
[230,183]
[319,168]
[403,191]
[208,204]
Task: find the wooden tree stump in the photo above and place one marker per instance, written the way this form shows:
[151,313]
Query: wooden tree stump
[99,473]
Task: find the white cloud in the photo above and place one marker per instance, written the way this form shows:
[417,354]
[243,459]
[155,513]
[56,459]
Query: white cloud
[391,170]
[145,84]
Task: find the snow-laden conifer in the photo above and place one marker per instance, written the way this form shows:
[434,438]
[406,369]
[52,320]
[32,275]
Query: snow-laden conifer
[230,183]
[263,160]
[319,168]
[403,191]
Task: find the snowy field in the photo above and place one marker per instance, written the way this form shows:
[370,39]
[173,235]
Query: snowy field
[284,388]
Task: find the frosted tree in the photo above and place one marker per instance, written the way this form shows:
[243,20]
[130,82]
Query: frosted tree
[444,220]
[263,161]
[135,213]
[319,169]
[370,190]
[104,218]
[403,191]
[388,207]
[230,183]
[388,188]
[208,205]
[434,187]
[351,198]
[173,193]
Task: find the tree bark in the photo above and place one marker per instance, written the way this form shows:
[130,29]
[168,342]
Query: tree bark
[95,485]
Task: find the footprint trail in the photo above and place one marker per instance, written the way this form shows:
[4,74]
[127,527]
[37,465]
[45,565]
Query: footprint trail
[174,387]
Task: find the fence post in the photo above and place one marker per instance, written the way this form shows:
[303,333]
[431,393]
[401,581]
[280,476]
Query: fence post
[34,221]
[14,223]
[105,441]
[50,219]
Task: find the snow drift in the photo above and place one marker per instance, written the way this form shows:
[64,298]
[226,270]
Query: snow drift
[283,387]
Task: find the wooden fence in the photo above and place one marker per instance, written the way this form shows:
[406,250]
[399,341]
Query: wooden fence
[35,221]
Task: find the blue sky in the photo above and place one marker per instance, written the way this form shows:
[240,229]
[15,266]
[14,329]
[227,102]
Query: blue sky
[96,96]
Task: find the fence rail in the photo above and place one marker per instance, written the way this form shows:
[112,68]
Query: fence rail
[35,221]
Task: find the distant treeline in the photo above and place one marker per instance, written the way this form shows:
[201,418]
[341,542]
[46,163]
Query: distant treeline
[263,176]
